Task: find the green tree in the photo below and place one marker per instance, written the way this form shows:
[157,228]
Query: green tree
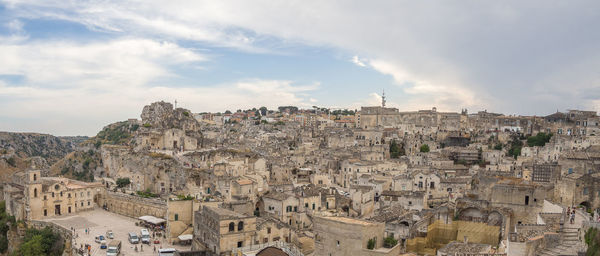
[396,150]
[424,148]
[539,139]
[32,247]
[122,182]
[498,146]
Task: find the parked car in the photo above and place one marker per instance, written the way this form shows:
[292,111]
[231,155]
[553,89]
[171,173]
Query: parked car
[114,248]
[145,236]
[133,238]
[110,235]
[103,244]
[99,238]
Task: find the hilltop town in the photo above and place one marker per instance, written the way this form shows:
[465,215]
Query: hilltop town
[319,181]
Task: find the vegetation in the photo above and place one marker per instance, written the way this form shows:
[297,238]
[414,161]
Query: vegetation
[424,148]
[115,134]
[371,244]
[498,146]
[389,242]
[182,197]
[515,147]
[395,150]
[40,242]
[147,194]
[147,125]
[592,239]
[11,161]
[539,140]
[122,182]
[185,113]
[344,112]
[5,220]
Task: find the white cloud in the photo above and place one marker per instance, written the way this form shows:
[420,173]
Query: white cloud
[478,48]
[358,62]
[73,88]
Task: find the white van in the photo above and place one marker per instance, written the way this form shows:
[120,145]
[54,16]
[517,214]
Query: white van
[145,236]
[114,248]
[167,252]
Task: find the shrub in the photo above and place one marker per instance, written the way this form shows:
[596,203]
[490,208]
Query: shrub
[424,148]
[389,242]
[147,125]
[371,244]
[122,182]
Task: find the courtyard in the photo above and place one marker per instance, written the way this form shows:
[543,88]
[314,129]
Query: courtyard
[98,221]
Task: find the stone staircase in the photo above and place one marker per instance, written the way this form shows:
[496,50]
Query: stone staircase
[569,239]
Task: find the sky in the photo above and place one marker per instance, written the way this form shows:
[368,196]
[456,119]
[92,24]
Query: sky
[72,67]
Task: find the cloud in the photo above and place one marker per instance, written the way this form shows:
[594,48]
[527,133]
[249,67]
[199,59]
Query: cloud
[77,88]
[358,62]
[505,52]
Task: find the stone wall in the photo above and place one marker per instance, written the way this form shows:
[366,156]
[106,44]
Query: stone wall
[132,205]
[64,233]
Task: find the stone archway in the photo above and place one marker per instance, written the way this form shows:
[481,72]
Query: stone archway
[471,214]
[495,218]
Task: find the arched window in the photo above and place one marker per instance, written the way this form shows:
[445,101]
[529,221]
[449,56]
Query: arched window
[34,177]
[240,226]
[231,226]
[35,192]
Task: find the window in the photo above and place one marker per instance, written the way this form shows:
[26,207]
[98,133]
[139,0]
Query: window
[69,195]
[34,177]
[60,193]
[176,217]
[240,244]
[231,226]
[35,192]
[56,186]
[240,226]
[526,200]
[295,208]
[88,193]
[585,191]
[45,212]
[88,203]
[305,205]
[81,203]
[268,230]
[313,206]
[338,243]
[432,185]
[570,170]
[45,197]
[52,194]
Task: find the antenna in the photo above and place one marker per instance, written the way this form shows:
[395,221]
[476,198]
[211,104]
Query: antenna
[383,99]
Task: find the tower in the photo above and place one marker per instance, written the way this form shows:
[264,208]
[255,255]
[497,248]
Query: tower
[175,104]
[383,99]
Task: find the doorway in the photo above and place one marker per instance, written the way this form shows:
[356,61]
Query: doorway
[57,209]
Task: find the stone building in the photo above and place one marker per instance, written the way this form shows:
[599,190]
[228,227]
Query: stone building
[54,196]
[219,231]
[346,236]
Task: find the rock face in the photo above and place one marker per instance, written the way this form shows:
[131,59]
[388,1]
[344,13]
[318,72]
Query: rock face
[161,115]
[25,145]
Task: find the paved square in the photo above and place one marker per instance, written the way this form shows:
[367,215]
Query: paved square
[99,221]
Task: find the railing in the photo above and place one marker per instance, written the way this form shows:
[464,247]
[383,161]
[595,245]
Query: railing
[290,249]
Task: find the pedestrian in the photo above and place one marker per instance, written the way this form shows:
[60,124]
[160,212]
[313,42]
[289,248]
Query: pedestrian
[142,247]
[155,248]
